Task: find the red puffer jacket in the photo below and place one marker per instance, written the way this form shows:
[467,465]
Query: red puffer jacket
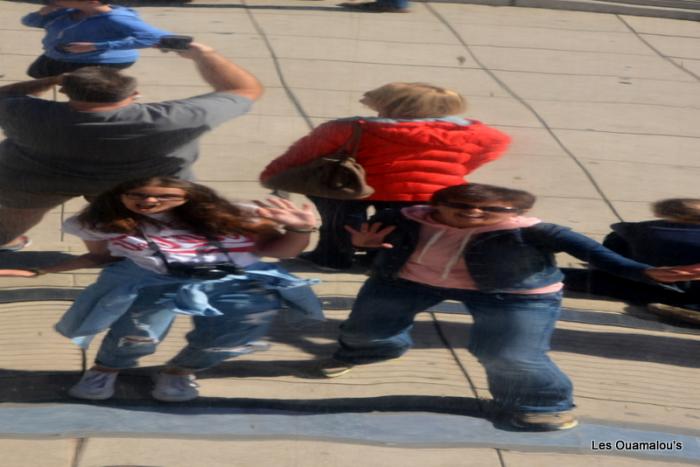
[404,160]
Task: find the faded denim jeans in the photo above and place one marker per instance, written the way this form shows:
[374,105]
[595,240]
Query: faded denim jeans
[248,310]
[510,337]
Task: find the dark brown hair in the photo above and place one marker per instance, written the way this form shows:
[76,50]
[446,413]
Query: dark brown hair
[681,209]
[97,84]
[477,192]
[205,212]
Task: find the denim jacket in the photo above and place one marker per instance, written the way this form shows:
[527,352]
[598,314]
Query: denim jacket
[118,286]
[507,260]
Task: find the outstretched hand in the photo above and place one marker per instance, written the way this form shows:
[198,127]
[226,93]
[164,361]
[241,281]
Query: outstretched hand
[286,213]
[370,236]
[17,273]
[675,273]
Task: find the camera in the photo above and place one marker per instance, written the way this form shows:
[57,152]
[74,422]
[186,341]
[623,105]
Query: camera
[203,271]
[174,42]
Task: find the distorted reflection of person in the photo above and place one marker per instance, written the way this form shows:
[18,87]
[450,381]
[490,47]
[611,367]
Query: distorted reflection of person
[671,240]
[380,6]
[183,249]
[413,147]
[55,151]
[83,33]
[473,244]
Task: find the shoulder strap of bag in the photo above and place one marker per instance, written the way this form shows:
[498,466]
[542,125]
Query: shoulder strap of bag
[353,144]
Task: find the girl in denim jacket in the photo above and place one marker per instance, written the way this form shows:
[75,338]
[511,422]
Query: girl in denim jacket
[473,245]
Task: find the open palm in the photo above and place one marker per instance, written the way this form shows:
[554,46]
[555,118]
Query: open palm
[370,236]
[286,213]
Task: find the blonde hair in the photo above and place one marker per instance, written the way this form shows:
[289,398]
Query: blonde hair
[679,209]
[415,100]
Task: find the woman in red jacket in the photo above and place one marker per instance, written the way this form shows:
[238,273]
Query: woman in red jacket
[410,150]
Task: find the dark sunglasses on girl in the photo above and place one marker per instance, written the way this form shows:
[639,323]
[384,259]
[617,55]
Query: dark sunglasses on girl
[141,196]
[467,207]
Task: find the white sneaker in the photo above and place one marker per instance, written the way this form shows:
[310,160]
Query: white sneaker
[175,388]
[95,385]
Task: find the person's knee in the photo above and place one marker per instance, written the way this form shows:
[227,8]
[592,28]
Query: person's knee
[506,358]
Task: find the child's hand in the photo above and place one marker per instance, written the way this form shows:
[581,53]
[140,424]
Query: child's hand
[17,273]
[370,236]
[675,273]
[286,213]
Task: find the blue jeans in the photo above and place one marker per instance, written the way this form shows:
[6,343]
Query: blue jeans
[248,311]
[510,337]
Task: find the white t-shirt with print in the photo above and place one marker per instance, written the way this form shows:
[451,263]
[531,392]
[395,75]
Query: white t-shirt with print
[178,246]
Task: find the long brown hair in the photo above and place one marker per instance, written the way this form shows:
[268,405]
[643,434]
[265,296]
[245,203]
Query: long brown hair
[205,212]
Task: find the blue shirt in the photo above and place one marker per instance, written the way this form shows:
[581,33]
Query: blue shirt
[115,34]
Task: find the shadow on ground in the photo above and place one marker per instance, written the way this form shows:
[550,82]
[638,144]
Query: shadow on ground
[669,350]
[32,259]
[134,386]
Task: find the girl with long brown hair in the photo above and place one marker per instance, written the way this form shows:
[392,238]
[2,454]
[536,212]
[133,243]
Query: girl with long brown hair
[173,246]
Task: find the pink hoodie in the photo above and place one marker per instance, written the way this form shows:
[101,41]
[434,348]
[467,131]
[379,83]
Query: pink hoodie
[438,259]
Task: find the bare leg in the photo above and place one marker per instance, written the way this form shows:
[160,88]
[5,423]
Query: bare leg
[14,222]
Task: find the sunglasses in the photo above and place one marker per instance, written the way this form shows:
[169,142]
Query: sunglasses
[141,196]
[467,207]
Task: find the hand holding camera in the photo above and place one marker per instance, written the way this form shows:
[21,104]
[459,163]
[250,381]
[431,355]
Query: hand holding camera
[175,42]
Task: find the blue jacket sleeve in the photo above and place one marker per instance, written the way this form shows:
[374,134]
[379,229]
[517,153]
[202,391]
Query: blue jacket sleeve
[35,20]
[562,239]
[137,35]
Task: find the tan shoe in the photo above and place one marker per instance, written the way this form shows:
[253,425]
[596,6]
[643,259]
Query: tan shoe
[544,421]
[332,368]
[686,315]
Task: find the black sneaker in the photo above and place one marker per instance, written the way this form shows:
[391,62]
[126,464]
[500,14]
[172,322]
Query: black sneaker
[373,7]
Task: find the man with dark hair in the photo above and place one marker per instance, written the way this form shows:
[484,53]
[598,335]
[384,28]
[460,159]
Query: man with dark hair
[55,151]
[97,84]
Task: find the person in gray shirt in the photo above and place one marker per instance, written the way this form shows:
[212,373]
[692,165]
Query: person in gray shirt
[55,151]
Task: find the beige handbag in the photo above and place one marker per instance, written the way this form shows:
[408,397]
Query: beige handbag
[335,176]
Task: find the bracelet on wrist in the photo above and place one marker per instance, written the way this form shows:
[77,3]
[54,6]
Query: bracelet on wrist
[300,230]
